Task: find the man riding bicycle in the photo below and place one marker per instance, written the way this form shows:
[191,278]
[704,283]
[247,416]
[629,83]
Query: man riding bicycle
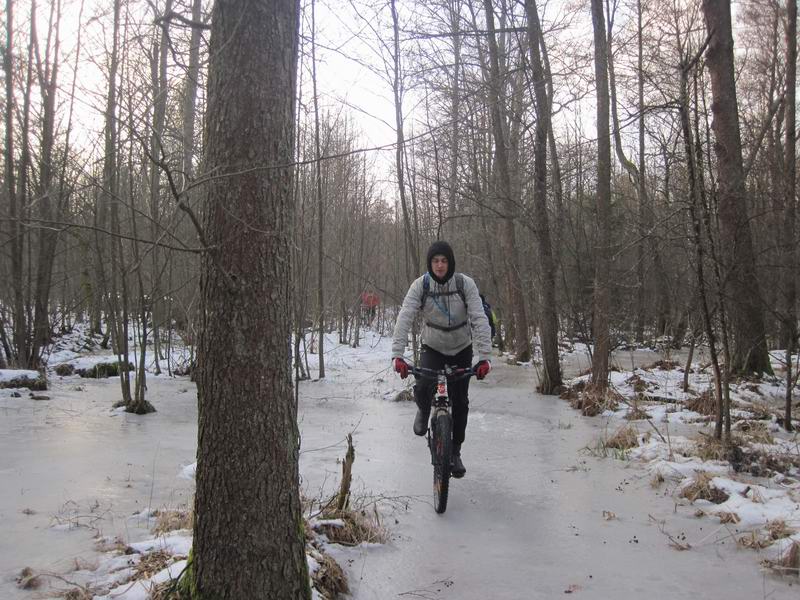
[453,316]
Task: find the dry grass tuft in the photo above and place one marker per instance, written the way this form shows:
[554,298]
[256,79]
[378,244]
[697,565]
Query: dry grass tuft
[624,438]
[572,392]
[358,527]
[790,560]
[705,403]
[657,479]
[590,399]
[778,529]
[755,432]
[754,541]
[755,495]
[761,411]
[700,488]
[152,563]
[28,579]
[728,517]
[115,545]
[637,414]
[710,448]
[639,385]
[329,579]
[173,520]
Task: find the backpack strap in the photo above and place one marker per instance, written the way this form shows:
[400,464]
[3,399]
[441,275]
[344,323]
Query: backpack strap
[460,289]
[426,289]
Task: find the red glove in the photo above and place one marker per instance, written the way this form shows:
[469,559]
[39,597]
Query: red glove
[401,366]
[482,369]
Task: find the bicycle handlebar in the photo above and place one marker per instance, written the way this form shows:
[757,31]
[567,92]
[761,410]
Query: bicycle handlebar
[452,374]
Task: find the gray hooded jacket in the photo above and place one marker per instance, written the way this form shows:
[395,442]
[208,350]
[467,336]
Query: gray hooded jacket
[445,311]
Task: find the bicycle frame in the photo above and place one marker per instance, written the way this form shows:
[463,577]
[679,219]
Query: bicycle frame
[440,438]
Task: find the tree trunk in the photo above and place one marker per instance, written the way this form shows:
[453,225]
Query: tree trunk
[14,209]
[508,206]
[788,230]
[160,91]
[318,199]
[248,533]
[455,127]
[48,196]
[749,352]
[550,381]
[412,249]
[603,260]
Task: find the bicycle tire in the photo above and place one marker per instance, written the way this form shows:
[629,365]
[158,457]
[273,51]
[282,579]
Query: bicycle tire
[442,449]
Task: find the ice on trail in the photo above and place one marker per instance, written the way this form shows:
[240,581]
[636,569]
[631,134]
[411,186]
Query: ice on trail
[530,519]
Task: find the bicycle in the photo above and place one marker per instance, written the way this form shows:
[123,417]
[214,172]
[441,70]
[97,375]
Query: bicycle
[440,432]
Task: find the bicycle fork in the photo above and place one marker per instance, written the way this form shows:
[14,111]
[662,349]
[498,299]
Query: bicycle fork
[441,406]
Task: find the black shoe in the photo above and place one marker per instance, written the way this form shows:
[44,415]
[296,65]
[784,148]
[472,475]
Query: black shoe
[421,421]
[457,468]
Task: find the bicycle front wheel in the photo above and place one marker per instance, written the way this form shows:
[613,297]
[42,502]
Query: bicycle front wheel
[442,449]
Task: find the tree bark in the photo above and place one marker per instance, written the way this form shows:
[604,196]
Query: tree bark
[749,351]
[788,230]
[15,225]
[160,92]
[522,346]
[248,533]
[550,381]
[602,251]
[412,249]
[318,199]
[48,195]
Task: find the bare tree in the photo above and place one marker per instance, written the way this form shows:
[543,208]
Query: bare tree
[602,275]
[550,382]
[504,192]
[788,230]
[749,350]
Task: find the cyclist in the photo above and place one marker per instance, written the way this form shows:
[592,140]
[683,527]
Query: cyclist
[453,316]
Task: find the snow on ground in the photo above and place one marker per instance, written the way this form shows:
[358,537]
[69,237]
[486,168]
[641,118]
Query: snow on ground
[754,490]
[12,374]
[530,520]
[82,350]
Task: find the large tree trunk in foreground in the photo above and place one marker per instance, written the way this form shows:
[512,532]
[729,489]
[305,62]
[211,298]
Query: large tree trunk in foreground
[749,352]
[248,534]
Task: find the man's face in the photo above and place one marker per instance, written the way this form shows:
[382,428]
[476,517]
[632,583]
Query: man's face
[439,265]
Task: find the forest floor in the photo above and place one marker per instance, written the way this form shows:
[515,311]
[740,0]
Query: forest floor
[553,502]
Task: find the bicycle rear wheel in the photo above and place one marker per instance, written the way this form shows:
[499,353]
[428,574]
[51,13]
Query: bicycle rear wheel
[441,450]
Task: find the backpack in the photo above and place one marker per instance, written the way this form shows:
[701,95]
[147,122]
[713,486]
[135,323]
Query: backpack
[426,287]
[487,309]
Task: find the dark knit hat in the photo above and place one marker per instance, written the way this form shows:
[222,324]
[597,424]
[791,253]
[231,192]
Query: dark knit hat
[443,248]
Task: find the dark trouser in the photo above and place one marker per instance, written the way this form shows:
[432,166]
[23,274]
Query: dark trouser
[457,390]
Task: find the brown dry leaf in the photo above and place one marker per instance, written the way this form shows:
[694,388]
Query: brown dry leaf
[728,517]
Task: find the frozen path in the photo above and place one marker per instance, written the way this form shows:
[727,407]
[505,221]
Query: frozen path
[526,522]
[528,519]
